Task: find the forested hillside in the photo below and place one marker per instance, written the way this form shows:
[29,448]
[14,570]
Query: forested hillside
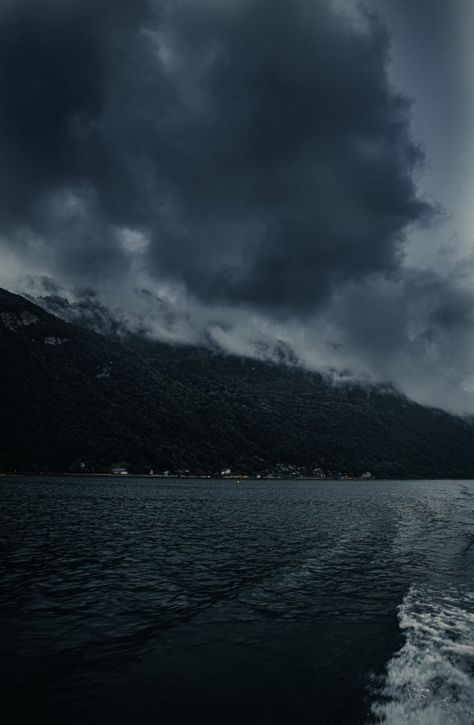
[69,395]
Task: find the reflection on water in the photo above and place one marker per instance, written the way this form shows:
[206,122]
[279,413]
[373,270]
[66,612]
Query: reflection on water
[283,602]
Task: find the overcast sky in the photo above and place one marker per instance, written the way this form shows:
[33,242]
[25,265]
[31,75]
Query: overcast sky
[251,170]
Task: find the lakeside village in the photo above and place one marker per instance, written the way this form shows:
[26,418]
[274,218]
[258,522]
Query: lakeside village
[280,471]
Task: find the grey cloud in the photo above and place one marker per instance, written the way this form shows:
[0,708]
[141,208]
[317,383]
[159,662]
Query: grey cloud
[250,164]
[258,145]
[431,47]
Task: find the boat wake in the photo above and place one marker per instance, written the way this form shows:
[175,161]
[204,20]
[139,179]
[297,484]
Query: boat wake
[430,681]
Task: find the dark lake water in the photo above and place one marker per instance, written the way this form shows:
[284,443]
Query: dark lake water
[144,601]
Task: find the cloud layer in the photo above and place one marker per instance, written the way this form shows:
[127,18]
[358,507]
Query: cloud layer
[249,161]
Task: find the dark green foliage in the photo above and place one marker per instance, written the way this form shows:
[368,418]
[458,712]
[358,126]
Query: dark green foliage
[147,404]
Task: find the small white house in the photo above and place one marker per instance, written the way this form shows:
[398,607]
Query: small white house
[119,471]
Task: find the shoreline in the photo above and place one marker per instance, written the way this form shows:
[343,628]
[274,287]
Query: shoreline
[145,476]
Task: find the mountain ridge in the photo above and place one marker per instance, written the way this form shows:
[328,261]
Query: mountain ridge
[71,394]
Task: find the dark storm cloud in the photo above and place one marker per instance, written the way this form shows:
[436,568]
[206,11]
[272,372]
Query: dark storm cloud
[53,79]
[258,146]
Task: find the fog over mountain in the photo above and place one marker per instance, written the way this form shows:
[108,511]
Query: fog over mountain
[249,172]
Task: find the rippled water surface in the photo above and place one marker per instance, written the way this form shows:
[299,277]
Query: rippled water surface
[147,601]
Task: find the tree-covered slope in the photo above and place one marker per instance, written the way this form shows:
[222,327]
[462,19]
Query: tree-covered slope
[68,393]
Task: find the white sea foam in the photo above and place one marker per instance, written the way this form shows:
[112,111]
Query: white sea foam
[430,681]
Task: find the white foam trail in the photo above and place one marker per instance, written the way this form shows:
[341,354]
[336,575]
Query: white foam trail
[430,681]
